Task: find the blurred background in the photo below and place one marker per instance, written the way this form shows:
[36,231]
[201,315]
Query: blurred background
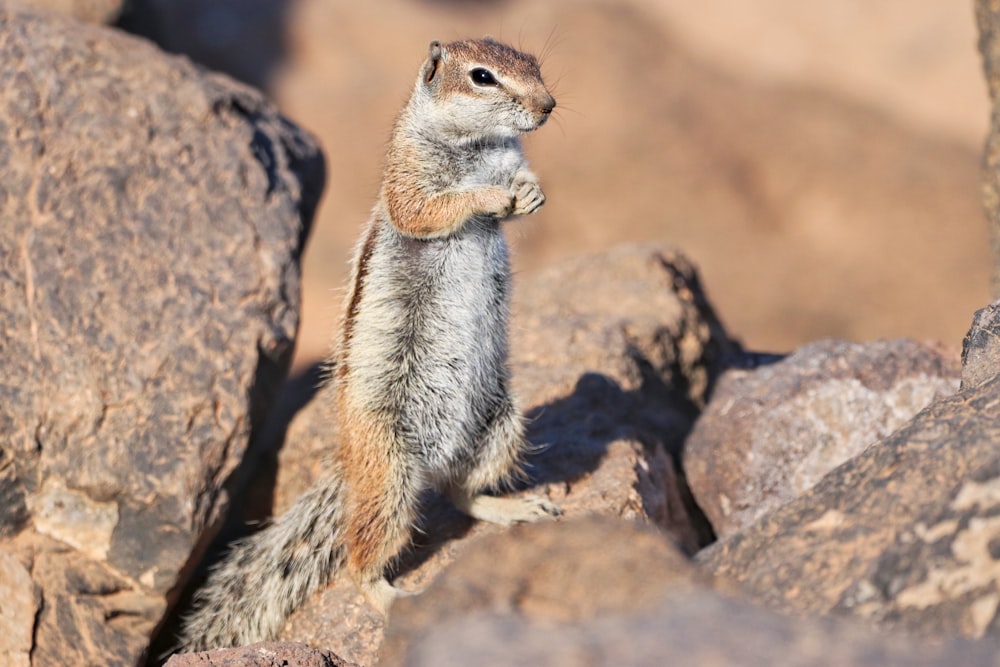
[819,161]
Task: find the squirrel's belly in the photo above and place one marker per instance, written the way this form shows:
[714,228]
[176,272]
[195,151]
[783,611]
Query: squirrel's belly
[428,348]
[455,380]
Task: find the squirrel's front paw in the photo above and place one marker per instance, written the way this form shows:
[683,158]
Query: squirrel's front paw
[528,195]
[498,202]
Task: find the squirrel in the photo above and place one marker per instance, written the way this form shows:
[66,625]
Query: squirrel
[422,384]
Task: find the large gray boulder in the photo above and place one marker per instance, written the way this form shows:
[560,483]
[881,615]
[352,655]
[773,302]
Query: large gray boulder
[152,218]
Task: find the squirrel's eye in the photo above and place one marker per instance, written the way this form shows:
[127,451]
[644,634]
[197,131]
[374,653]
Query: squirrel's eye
[482,77]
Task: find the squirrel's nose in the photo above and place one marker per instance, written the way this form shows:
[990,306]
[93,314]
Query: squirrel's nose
[547,104]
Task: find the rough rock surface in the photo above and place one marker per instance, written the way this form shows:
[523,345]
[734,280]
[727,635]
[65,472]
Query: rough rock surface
[941,576]
[903,533]
[697,629]
[601,592]
[153,219]
[264,654]
[612,355]
[567,571]
[981,348]
[17,612]
[771,432]
[988,19]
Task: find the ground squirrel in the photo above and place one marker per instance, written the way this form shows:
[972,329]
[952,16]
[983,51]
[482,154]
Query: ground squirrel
[422,384]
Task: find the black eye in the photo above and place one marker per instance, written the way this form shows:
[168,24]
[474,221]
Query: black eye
[482,77]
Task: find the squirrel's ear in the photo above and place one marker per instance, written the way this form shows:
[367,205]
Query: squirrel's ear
[430,68]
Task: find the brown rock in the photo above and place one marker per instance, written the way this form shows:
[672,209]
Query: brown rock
[770,433]
[837,546]
[89,613]
[153,219]
[612,355]
[264,654]
[691,629]
[602,592]
[17,612]
[551,572]
[941,575]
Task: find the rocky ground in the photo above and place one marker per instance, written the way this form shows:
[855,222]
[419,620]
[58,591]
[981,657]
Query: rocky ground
[722,506]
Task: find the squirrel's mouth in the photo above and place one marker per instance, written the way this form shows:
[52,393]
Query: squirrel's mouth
[537,120]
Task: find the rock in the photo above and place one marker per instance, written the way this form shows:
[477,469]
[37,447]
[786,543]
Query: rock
[853,543]
[264,654]
[17,612]
[941,576]
[93,11]
[981,348]
[563,572]
[698,629]
[612,355]
[601,592]
[89,613]
[770,433]
[988,19]
[153,219]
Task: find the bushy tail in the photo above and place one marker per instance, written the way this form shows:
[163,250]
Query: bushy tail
[267,575]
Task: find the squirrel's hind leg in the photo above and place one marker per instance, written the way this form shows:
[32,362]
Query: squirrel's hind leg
[382,488]
[499,459]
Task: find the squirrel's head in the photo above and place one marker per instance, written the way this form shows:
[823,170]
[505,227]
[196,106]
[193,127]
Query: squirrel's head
[480,88]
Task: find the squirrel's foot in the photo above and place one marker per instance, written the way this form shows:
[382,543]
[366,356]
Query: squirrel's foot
[528,195]
[507,511]
[380,594]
